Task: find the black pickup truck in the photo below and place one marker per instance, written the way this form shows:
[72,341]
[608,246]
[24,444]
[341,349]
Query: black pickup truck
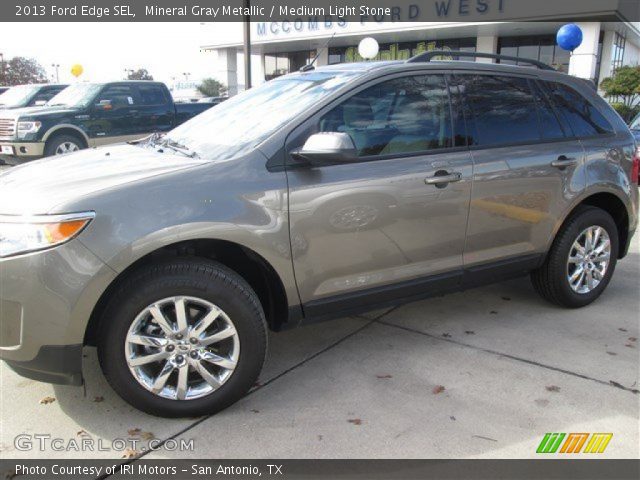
[92,114]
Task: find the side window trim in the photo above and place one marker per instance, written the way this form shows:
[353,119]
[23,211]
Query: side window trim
[162,91]
[540,96]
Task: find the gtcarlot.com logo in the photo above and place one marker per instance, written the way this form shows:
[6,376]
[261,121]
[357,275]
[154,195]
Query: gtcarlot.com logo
[574,442]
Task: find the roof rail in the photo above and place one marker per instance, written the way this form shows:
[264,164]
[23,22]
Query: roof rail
[428,56]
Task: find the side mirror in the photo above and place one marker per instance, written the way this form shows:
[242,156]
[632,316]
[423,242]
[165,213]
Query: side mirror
[104,105]
[327,148]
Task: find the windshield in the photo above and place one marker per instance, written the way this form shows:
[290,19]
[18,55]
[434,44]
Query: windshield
[18,96]
[635,125]
[239,124]
[78,95]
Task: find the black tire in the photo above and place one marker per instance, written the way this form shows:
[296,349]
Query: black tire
[551,281]
[200,278]
[54,142]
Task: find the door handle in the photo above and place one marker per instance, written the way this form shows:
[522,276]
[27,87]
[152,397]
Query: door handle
[443,177]
[564,162]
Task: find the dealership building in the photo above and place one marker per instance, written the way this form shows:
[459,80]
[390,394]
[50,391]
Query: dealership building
[508,27]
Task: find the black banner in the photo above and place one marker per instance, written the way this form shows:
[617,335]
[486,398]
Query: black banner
[546,469]
[316,10]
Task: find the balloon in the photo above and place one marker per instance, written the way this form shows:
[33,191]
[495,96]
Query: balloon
[569,37]
[77,70]
[368,48]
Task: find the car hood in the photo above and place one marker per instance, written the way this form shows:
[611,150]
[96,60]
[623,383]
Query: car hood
[38,187]
[37,112]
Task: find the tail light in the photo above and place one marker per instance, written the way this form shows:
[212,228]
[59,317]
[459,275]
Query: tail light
[635,167]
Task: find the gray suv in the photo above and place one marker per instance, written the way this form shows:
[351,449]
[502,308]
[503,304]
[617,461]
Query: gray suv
[315,195]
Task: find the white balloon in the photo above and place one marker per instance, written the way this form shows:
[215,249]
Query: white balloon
[368,48]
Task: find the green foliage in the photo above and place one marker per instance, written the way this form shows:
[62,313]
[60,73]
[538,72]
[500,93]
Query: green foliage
[21,70]
[139,74]
[624,84]
[210,87]
[626,112]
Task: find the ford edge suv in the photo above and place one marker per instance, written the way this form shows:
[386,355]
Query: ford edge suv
[314,195]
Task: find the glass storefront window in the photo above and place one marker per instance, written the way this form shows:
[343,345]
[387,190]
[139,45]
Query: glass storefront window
[278,64]
[402,51]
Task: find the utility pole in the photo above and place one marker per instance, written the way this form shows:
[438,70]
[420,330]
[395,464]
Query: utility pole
[247,45]
[56,66]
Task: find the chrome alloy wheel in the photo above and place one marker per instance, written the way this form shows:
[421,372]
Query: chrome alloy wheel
[182,348]
[66,147]
[589,259]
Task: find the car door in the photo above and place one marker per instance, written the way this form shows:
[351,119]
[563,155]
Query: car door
[387,226]
[527,171]
[156,111]
[113,115]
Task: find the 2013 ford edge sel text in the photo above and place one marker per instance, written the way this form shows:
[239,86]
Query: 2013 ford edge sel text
[317,194]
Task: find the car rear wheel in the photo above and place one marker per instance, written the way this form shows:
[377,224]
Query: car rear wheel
[581,261]
[184,338]
[62,145]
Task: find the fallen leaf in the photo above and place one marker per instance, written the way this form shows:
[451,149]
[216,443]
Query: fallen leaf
[47,400]
[469,332]
[630,345]
[633,339]
[452,418]
[622,329]
[384,376]
[10,474]
[438,389]
[130,453]
[98,399]
[82,433]
[552,388]
[134,432]
[446,335]
[355,421]
[147,436]
[255,411]
[484,438]
[506,299]
[493,312]
[320,437]
[613,354]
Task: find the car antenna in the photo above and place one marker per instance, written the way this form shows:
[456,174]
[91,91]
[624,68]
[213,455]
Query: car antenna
[310,66]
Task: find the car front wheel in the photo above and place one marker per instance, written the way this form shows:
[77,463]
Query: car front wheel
[184,338]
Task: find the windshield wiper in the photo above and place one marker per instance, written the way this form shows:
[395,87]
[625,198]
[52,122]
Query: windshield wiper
[176,147]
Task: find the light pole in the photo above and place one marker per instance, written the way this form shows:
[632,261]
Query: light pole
[56,66]
[2,80]
[247,46]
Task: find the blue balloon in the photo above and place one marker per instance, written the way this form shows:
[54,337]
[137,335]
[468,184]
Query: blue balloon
[569,37]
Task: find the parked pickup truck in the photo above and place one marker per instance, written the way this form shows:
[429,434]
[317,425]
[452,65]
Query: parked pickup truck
[32,95]
[92,114]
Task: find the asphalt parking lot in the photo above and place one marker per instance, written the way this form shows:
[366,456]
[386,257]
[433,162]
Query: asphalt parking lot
[481,374]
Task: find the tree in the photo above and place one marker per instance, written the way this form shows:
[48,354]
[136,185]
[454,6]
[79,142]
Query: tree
[210,87]
[139,74]
[21,70]
[625,84]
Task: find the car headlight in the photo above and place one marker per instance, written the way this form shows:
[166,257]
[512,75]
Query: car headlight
[28,127]
[24,234]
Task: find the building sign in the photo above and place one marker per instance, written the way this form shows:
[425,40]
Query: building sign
[334,18]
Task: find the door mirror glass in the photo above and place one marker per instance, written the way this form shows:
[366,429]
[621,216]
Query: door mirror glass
[327,148]
[104,105]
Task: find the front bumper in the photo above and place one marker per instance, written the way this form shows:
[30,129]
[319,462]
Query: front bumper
[46,301]
[23,150]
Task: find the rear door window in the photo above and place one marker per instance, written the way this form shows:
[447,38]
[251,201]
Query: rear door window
[119,96]
[503,110]
[152,95]
[579,113]
[399,116]
[550,123]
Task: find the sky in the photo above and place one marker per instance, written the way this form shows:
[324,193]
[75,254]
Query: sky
[105,50]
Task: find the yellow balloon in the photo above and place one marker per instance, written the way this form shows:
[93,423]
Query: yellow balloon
[77,70]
